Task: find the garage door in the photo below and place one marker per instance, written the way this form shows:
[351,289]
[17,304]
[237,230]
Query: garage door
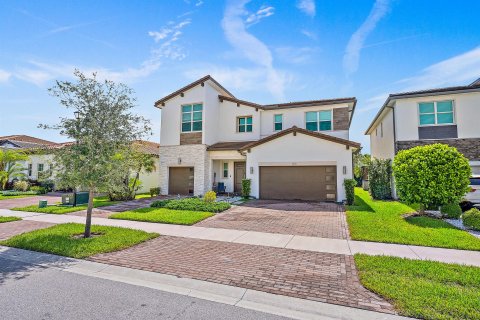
[180,180]
[318,183]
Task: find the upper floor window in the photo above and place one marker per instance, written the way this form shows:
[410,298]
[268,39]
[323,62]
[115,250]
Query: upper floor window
[319,120]
[192,117]
[278,122]
[435,113]
[244,124]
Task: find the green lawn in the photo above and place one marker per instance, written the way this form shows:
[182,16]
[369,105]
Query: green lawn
[56,209]
[383,221]
[142,196]
[59,240]
[163,215]
[2,197]
[9,219]
[423,289]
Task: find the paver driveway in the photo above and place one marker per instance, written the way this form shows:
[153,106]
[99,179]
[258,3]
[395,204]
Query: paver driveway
[10,229]
[28,201]
[315,219]
[324,277]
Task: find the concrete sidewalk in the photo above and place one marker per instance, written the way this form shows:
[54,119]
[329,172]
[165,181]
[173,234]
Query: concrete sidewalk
[338,246]
[244,298]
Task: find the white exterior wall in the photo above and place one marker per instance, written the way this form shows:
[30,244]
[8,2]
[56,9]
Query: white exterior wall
[227,122]
[35,160]
[296,117]
[191,156]
[300,150]
[383,146]
[150,179]
[218,158]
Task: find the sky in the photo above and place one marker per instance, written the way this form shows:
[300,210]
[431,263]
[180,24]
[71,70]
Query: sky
[261,51]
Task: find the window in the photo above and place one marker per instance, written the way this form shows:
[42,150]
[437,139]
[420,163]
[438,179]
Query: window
[40,167]
[244,124]
[381,130]
[278,122]
[30,166]
[192,117]
[435,113]
[318,121]
[225,170]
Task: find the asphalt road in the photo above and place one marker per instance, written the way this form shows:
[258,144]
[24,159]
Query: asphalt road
[31,292]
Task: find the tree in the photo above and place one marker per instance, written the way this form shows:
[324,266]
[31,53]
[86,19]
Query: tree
[360,161]
[380,179]
[431,175]
[10,166]
[103,127]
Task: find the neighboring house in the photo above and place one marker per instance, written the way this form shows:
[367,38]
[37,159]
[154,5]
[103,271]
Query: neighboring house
[445,115]
[149,179]
[297,150]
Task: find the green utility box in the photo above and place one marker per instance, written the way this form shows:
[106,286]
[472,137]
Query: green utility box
[42,203]
[75,199]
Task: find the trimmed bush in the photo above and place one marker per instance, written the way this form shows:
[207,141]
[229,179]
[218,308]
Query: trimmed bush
[451,211]
[471,219]
[350,190]
[21,185]
[17,193]
[154,191]
[466,205]
[210,196]
[38,189]
[196,204]
[246,188]
[48,185]
[159,203]
[380,179]
[431,175]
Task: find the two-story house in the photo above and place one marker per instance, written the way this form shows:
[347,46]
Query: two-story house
[297,150]
[446,115]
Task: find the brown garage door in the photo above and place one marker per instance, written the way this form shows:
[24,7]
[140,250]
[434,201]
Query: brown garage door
[180,180]
[317,183]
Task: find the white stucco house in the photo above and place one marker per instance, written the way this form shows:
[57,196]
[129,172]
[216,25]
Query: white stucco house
[297,150]
[445,115]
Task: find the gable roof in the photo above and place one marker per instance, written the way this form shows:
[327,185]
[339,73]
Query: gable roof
[161,102]
[228,146]
[296,130]
[25,138]
[472,87]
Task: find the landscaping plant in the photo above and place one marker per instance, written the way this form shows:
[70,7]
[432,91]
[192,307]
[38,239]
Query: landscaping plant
[431,175]
[246,188]
[21,185]
[154,192]
[471,219]
[451,211]
[103,127]
[160,203]
[350,190]
[210,196]
[196,204]
[380,179]
[10,166]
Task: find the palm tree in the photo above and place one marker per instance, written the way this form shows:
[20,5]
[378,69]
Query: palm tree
[10,166]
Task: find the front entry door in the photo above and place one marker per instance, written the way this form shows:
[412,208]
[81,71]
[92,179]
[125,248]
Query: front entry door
[239,174]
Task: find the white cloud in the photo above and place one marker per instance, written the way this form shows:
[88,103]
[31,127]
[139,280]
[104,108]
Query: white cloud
[295,55]
[250,47]
[261,13]
[354,46]
[166,31]
[307,7]
[4,75]
[199,3]
[309,34]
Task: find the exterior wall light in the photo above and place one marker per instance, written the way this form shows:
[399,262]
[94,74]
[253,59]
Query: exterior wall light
[251,170]
[179,160]
[344,169]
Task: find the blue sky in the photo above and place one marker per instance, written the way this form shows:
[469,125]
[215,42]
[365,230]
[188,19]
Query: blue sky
[262,51]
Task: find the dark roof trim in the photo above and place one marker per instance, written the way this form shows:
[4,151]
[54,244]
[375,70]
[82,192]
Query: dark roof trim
[240,102]
[295,130]
[228,146]
[159,103]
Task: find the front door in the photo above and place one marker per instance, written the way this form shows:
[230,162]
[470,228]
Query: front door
[239,174]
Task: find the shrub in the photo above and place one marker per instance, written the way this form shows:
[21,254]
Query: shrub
[350,190]
[466,205]
[246,188]
[210,196]
[451,211]
[431,175]
[471,219]
[159,203]
[196,204]
[48,185]
[154,191]
[380,179]
[38,189]
[21,185]
[17,193]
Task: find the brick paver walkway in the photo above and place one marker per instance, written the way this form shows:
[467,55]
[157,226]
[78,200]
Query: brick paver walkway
[28,201]
[10,229]
[315,219]
[324,277]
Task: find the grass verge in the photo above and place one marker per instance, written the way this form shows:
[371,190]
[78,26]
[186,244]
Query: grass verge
[423,289]
[384,221]
[57,209]
[61,240]
[2,197]
[163,215]
[9,219]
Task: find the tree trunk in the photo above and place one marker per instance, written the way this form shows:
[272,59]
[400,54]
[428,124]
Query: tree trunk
[88,222]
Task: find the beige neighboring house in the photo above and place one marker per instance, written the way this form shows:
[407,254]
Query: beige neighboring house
[40,154]
[297,150]
[445,115]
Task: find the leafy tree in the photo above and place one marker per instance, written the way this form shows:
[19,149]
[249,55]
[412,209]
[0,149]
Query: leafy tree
[360,161]
[10,166]
[431,175]
[380,179]
[103,126]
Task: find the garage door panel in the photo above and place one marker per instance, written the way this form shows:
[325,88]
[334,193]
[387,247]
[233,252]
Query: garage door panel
[180,180]
[298,183]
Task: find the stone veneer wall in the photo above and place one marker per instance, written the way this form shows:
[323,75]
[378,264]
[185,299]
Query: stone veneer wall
[469,147]
[340,119]
[192,156]
[190,138]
